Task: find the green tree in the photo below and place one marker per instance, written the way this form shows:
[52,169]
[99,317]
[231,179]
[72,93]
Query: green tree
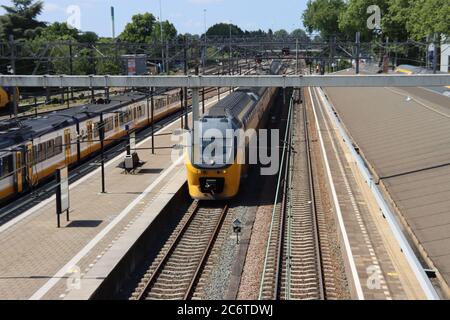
[108,57]
[223,29]
[299,34]
[395,18]
[394,14]
[281,34]
[169,31]
[323,16]
[140,29]
[427,17]
[20,19]
[58,32]
[87,37]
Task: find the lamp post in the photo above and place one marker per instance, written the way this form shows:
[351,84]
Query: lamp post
[101,133]
[162,37]
[206,44]
[229,62]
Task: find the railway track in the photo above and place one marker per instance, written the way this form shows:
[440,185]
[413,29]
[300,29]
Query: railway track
[176,271]
[297,255]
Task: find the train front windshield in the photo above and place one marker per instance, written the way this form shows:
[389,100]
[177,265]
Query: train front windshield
[216,144]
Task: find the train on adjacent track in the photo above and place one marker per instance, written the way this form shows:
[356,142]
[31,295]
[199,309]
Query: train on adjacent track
[6,98]
[32,149]
[216,174]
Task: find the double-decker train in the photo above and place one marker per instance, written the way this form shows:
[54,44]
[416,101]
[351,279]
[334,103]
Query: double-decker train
[216,175]
[32,149]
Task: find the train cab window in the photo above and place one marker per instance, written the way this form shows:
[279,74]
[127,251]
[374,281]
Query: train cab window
[6,165]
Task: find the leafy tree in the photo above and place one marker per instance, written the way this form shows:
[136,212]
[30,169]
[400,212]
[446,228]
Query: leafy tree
[257,33]
[88,37]
[58,32]
[299,34]
[108,57]
[169,31]
[280,34]
[394,14]
[140,29]
[395,18]
[427,17]
[20,19]
[223,29]
[323,16]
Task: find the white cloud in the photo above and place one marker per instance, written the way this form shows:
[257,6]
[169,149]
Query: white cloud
[52,7]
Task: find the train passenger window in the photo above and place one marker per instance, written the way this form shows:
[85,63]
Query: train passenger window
[40,154]
[6,165]
[58,145]
[50,149]
[116,121]
[109,124]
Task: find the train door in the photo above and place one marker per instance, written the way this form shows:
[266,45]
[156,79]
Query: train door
[29,159]
[67,145]
[116,123]
[89,128]
[19,177]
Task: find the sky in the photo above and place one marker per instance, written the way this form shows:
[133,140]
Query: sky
[186,15]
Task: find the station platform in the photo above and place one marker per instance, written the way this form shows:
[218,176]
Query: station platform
[40,261]
[380,270]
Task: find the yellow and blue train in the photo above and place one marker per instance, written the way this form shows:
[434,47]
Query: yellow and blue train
[5,98]
[217,175]
[32,149]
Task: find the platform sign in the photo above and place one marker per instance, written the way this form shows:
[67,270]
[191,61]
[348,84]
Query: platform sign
[62,193]
[131,67]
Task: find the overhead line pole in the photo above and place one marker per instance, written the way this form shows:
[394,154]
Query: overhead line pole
[162,37]
[13,70]
[358,43]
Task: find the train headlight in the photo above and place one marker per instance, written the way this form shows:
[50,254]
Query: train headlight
[212,162]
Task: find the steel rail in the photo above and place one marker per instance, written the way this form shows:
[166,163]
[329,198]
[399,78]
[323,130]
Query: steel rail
[168,254]
[277,193]
[282,230]
[320,274]
[204,258]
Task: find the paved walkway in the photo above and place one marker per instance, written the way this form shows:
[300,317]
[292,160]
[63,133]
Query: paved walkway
[39,261]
